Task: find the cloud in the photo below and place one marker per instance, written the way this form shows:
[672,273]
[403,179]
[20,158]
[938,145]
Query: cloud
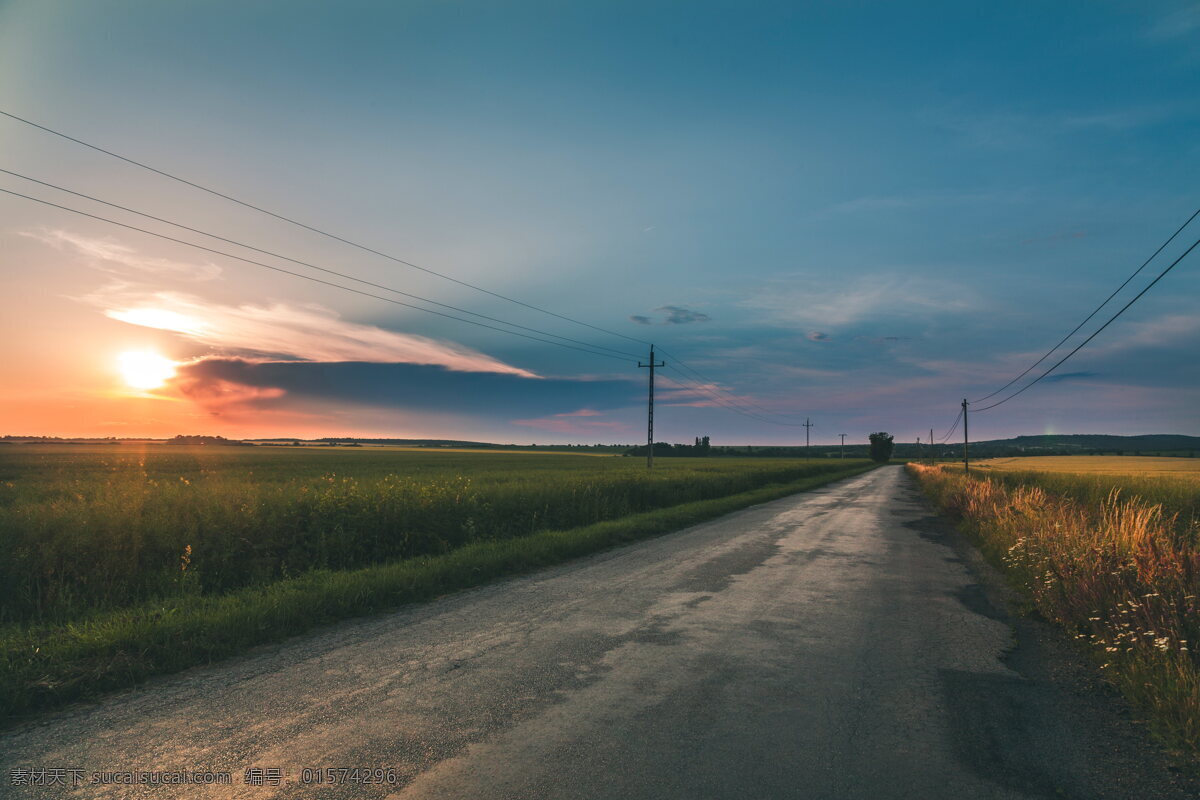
[1178,23]
[817,336]
[678,315]
[221,397]
[109,255]
[1070,376]
[281,331]
[580,422]
[583,412]
[1155,333]
[673,315]
[921,201]
[224,385]
[1010,130]
[802,301]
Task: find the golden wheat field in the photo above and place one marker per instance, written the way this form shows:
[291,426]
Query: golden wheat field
[1099,465]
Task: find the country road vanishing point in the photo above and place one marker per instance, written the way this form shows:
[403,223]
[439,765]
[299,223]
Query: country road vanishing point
[839,643]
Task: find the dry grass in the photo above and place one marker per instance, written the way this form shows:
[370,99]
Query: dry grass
[1121,572]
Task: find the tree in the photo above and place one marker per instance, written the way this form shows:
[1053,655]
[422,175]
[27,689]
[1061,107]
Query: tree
[881,447]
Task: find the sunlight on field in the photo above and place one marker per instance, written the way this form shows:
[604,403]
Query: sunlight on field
[1100,465]
[108,526]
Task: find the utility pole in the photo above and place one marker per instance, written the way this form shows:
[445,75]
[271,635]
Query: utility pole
[932,452]
[966,457]
[807,450]
[842,451]
[650,407]
[918,448]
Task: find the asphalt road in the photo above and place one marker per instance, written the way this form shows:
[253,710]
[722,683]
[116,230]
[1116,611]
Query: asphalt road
[834,644]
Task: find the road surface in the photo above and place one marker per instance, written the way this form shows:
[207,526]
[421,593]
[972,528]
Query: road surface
[833,644]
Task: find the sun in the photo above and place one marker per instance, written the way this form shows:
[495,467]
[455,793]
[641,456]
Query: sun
[145,369]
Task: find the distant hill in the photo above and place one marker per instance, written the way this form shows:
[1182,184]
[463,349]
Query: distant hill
[1073,444]
[1050,444]
[1053,444]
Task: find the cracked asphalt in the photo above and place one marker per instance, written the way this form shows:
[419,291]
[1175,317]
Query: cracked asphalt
[840,643]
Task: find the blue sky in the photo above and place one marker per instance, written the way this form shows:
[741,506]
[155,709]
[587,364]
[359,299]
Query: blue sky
[859,212]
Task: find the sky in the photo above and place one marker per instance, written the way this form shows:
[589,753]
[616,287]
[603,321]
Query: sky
[855,213]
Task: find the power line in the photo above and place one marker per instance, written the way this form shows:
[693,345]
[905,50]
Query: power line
[730,403]
[306,277]
[311,265]
[1111,319]
[946,437]
[338,238]
[1096,311]
[314,229]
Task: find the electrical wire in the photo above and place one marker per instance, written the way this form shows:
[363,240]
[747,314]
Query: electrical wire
[1096,311]
[306,277]
[946,437]
[311,265]
[1111,319]
[314,229]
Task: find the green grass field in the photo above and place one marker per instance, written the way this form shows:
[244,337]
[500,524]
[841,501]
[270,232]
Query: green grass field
[117,562]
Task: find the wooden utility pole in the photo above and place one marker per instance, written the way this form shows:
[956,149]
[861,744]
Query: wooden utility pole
[966,456]
[807,449]
[932,452]
[842,451]
[650,408]
[918,448]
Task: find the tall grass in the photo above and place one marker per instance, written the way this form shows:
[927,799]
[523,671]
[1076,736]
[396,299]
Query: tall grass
[1115,562]
[43,665]
[82,531]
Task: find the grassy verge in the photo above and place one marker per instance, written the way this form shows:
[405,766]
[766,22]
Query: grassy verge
[1120,572]
[45,667]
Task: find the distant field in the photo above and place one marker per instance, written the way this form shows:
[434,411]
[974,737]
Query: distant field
[1107,465]
[119,562]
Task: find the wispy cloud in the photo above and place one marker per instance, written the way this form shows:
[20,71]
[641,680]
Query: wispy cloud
[810,302]
[281,331]
[1007,129]
[919,201]
[1070,376]
[109,255]
[1178,23]
[582,421]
